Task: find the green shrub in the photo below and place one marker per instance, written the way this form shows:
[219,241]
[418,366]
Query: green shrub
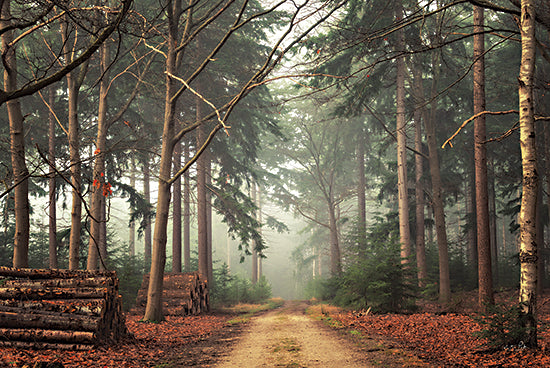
[373,275]
[502,326]
[261,291]
[228,290]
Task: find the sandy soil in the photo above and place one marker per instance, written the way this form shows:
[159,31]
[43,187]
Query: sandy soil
[286,337]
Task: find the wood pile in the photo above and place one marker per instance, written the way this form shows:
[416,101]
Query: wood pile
[184,294]
[59,309]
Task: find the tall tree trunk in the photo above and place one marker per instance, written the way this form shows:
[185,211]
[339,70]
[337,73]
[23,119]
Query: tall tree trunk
[361,187]
[52,228]
[404,230]
[17,146]
[74,81]
[202,219]
[439,216]
[186,215]
[335,262]
[527,218]
[471,219]
[208,159]
[437,197]
[493,218]
[132,227]
[176,212]
[153,310]
[254,253]
[147,196]
[99,190]
[485,278]
[259,218]
[421,263]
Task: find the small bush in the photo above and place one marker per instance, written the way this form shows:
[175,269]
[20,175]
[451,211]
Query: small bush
[374,275]
[502,326]
[229,290]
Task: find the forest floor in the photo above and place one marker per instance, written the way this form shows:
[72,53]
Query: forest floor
[286,337]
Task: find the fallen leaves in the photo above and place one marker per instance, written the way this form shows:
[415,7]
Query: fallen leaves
[153,344]
[449,339]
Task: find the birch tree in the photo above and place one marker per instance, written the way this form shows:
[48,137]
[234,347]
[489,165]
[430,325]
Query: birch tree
[530,180]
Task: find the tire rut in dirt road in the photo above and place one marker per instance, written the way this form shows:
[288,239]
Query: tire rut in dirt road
[286,337]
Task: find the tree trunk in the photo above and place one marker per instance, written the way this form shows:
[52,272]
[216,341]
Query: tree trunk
[471,248]
[132,227]
[202,219]
[176,212]
[153,310]
[421,263]
[186,215]
[361,186]
[208,161]
[335,262]
[485,278]
[527,218]
[404,230]
[259,218]
[147,196]
[253,245]
[439,214]
[74,81]
[437,199]
[493,219]
[52,228]
[99,190]
[17,146]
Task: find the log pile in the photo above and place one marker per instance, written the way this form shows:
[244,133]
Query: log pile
[59,309]
[184,294]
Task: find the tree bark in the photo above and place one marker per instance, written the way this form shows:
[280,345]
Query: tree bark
[147,196]
[202,220]
[404,230]
[153,310]
[493,218]
[17,146]
[208,159]
[253,245]
[437,197]
[527,217]
[471,248]
[96,245]
[485,278]
[361,185]
[176,212]
[186,215]
[418,94]
[132,227]
[31,335]
[52,228]
[74,81]
[259,218]
[335,260]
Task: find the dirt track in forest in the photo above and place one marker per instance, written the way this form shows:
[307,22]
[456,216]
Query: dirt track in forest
[286,337]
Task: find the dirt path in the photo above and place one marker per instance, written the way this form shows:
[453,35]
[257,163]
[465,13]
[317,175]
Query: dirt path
[286,337]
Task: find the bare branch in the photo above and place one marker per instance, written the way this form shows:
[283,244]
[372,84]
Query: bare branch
[448,141]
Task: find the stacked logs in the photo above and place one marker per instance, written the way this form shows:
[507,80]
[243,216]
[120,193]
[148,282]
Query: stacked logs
[184,294]
[59,309]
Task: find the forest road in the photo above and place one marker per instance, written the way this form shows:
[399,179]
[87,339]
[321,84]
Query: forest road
[286,337]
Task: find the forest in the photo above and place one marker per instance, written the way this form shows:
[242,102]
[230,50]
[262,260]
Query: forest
[390,157]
